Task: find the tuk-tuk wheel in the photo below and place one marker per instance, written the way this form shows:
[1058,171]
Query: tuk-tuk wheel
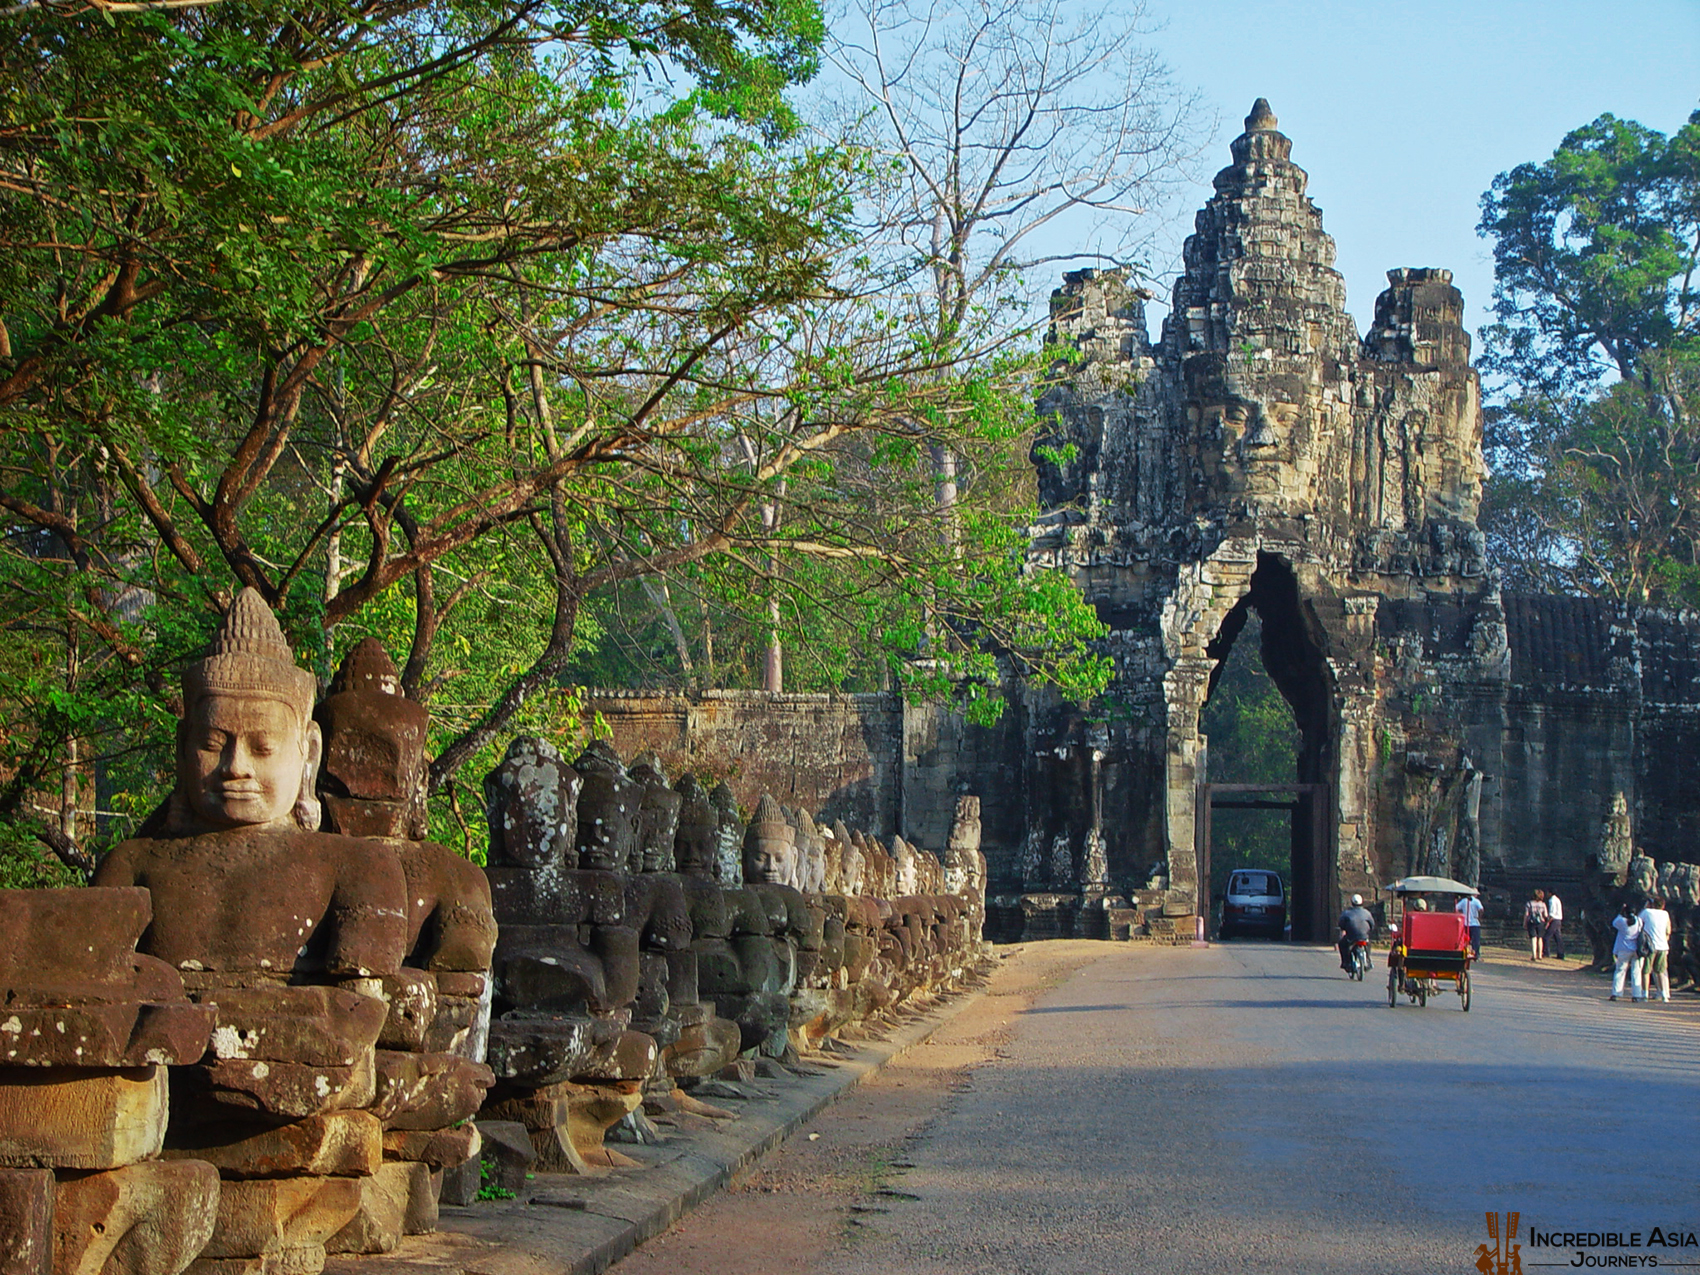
[1422,996]
[1464,990]
[1392,988]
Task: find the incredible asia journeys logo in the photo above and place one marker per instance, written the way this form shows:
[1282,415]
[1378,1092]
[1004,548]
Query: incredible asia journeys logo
[1666,1248]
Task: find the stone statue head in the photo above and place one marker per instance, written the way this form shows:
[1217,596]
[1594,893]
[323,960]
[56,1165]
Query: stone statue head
[699,822]
[531,801]
[372,776]
[658,813]
[608,806]
[247,748]
[903,858]
[849,860]
[770,846]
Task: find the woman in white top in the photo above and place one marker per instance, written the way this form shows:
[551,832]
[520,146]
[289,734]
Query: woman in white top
[1623,954]
[1655,924]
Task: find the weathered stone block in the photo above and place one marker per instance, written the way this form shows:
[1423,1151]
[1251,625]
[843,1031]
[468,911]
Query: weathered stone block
[263,1217]
[67,946]
[309,1259]
[439,1148]
[26,1221]
[321,1026]
[387,1201]
[461,1183]
[335,1144]
[427,1091]
[144,1219]
[576,1146]
[125,1033]
[289,1091]
[69,1118]
[413,1006]
[508,1151]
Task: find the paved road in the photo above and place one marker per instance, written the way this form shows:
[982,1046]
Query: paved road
[1247,1108]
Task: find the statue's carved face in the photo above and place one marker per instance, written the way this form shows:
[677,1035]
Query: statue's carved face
[770,861]
[244,761]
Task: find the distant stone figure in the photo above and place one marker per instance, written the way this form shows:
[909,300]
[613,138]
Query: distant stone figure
[696,842]
[811,855]
[658,814]
[729,840]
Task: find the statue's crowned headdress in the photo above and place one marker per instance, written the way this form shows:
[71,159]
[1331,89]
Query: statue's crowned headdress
[251,658]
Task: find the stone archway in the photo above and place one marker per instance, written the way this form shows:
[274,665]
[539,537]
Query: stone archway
[1292,654]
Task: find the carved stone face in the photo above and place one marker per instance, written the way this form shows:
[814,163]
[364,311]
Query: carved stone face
[243,761]
[770,860]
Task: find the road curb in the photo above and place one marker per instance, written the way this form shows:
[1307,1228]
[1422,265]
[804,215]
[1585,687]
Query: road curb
[567,1225]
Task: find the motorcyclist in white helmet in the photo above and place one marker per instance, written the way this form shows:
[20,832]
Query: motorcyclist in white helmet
[1357,925]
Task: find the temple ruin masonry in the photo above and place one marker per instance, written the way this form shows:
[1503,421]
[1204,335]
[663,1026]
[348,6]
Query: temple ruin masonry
[1261,455]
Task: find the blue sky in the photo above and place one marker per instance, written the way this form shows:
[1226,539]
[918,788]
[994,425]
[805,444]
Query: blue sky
[1403,114]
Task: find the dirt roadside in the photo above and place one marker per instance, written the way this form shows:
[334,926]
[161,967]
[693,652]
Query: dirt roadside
[804,1203]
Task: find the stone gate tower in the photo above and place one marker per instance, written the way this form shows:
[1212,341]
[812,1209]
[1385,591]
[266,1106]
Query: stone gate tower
[1260,456]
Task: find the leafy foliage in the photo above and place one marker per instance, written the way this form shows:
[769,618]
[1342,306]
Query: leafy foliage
[1592,438]
[454,323]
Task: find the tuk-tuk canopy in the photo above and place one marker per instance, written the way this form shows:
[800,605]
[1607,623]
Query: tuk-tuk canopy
[1430,885]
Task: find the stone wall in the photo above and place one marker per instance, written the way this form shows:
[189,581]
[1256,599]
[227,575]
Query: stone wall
[836,754]
[875,762]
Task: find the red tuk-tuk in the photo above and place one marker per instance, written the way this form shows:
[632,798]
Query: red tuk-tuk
[1429,948]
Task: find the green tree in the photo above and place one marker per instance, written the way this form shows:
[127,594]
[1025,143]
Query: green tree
[437,321]
[1591,434]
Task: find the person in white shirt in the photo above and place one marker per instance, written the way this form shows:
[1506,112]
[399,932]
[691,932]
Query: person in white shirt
[1624,956]
[1555,930]
[1470,908]
[1655,924]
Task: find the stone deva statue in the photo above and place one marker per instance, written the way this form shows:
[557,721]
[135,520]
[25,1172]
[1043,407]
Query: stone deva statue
[372,784]
[299,937]
[245,889]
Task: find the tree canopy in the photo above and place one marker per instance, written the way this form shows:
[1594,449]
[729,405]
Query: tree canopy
[1595,359]
[448,323]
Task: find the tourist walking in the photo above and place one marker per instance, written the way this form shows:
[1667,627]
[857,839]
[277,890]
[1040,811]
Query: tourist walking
[1625,954]
[1470,908]
[1655,940]
[1535,923]
[1555,927]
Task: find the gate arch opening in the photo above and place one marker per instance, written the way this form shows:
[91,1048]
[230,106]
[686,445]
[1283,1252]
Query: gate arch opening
[1291,654]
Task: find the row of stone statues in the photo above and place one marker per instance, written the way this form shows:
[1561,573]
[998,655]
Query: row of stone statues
[648,933]
[260,1036]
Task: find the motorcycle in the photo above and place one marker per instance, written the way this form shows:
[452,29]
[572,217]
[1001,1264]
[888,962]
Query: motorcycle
[1360,960]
